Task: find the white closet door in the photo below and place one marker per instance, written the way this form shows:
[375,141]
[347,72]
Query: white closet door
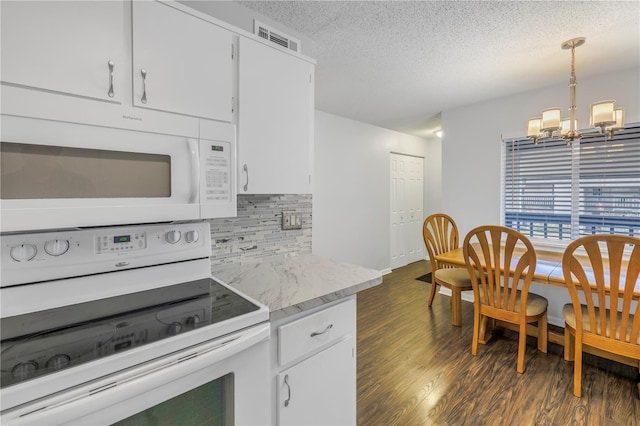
[398,213]
[414,197]
[407,189]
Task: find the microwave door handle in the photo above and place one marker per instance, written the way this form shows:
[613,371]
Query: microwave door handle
[192,146]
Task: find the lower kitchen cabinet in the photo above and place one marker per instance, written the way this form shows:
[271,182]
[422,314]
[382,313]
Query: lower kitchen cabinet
[314,366]
[320,390]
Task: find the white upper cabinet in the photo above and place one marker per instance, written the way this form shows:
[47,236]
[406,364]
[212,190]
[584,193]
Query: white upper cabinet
[275,120]
[181,63]
[66,47]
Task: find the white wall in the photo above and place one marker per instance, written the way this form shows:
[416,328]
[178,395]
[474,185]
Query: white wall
[351,197]
[433,177]
[471,152]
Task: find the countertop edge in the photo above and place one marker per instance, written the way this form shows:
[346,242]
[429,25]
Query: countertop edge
[321,300]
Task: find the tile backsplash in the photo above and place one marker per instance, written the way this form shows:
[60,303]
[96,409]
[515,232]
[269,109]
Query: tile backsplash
[256,234]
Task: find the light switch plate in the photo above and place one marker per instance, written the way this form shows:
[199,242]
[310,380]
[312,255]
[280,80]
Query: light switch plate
[291,219]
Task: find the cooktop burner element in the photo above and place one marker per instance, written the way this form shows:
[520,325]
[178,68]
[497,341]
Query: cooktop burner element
[45,342]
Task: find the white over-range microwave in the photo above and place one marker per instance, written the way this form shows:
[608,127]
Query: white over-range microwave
[66,163]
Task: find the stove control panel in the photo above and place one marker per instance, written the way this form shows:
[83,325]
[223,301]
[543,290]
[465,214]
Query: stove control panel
[34,257]
[120,242]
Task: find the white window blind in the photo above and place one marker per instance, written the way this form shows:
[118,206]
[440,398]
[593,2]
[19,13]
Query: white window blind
[559,192]
[609,194]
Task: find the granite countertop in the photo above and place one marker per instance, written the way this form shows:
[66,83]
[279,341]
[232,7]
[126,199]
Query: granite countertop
[298,283]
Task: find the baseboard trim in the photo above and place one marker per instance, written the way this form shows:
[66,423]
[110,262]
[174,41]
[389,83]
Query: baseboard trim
[386,271]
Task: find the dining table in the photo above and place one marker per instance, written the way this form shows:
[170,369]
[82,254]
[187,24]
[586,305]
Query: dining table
[548,271]
[548,266]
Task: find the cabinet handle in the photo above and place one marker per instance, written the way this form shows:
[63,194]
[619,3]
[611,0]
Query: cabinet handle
[315,333]
[111,66]
[286,382]
[143,72]
[246,185]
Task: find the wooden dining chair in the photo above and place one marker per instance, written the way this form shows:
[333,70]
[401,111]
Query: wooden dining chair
[599,274]
[440,235]
[501,263]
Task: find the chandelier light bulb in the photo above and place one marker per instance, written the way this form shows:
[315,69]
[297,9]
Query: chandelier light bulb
[551,119]
[619,118]
[565,126]
[534,125]
[602,114]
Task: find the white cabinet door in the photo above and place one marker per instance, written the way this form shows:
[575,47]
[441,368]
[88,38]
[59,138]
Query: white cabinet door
[275,121]
[181,63]
[407,187]
[65,46]
[320,390]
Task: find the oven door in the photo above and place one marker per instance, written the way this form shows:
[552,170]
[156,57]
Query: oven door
[61,175]
[221,382]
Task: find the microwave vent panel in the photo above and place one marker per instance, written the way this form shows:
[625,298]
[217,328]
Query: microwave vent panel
[274,36]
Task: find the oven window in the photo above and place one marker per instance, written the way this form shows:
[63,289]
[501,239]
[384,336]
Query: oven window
[209,404]
[41,172]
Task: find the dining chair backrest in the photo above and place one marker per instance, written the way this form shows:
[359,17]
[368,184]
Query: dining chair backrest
[605,270]
[490,250]
[501,263]
[440,235]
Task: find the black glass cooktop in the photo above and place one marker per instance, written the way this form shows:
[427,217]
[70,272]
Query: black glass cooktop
[48,341]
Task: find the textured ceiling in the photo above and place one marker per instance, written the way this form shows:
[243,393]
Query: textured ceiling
[397,64]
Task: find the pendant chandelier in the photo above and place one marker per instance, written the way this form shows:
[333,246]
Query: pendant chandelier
[604,114]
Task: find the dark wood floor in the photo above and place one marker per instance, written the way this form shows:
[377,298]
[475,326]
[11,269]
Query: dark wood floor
[414,368]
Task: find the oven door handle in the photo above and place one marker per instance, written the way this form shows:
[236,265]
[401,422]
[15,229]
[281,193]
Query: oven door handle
[192,146]
[95,401]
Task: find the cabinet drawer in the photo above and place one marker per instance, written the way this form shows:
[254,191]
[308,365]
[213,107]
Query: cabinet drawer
[303,336]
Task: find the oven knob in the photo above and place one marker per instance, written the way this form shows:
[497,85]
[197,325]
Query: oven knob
[56,247]
[24,370]
[23,252]
[172,237]
[58,362]
[193,321]
[174,328]
[191,236]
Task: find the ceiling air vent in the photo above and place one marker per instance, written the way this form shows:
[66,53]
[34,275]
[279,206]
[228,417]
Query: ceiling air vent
[275,36]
